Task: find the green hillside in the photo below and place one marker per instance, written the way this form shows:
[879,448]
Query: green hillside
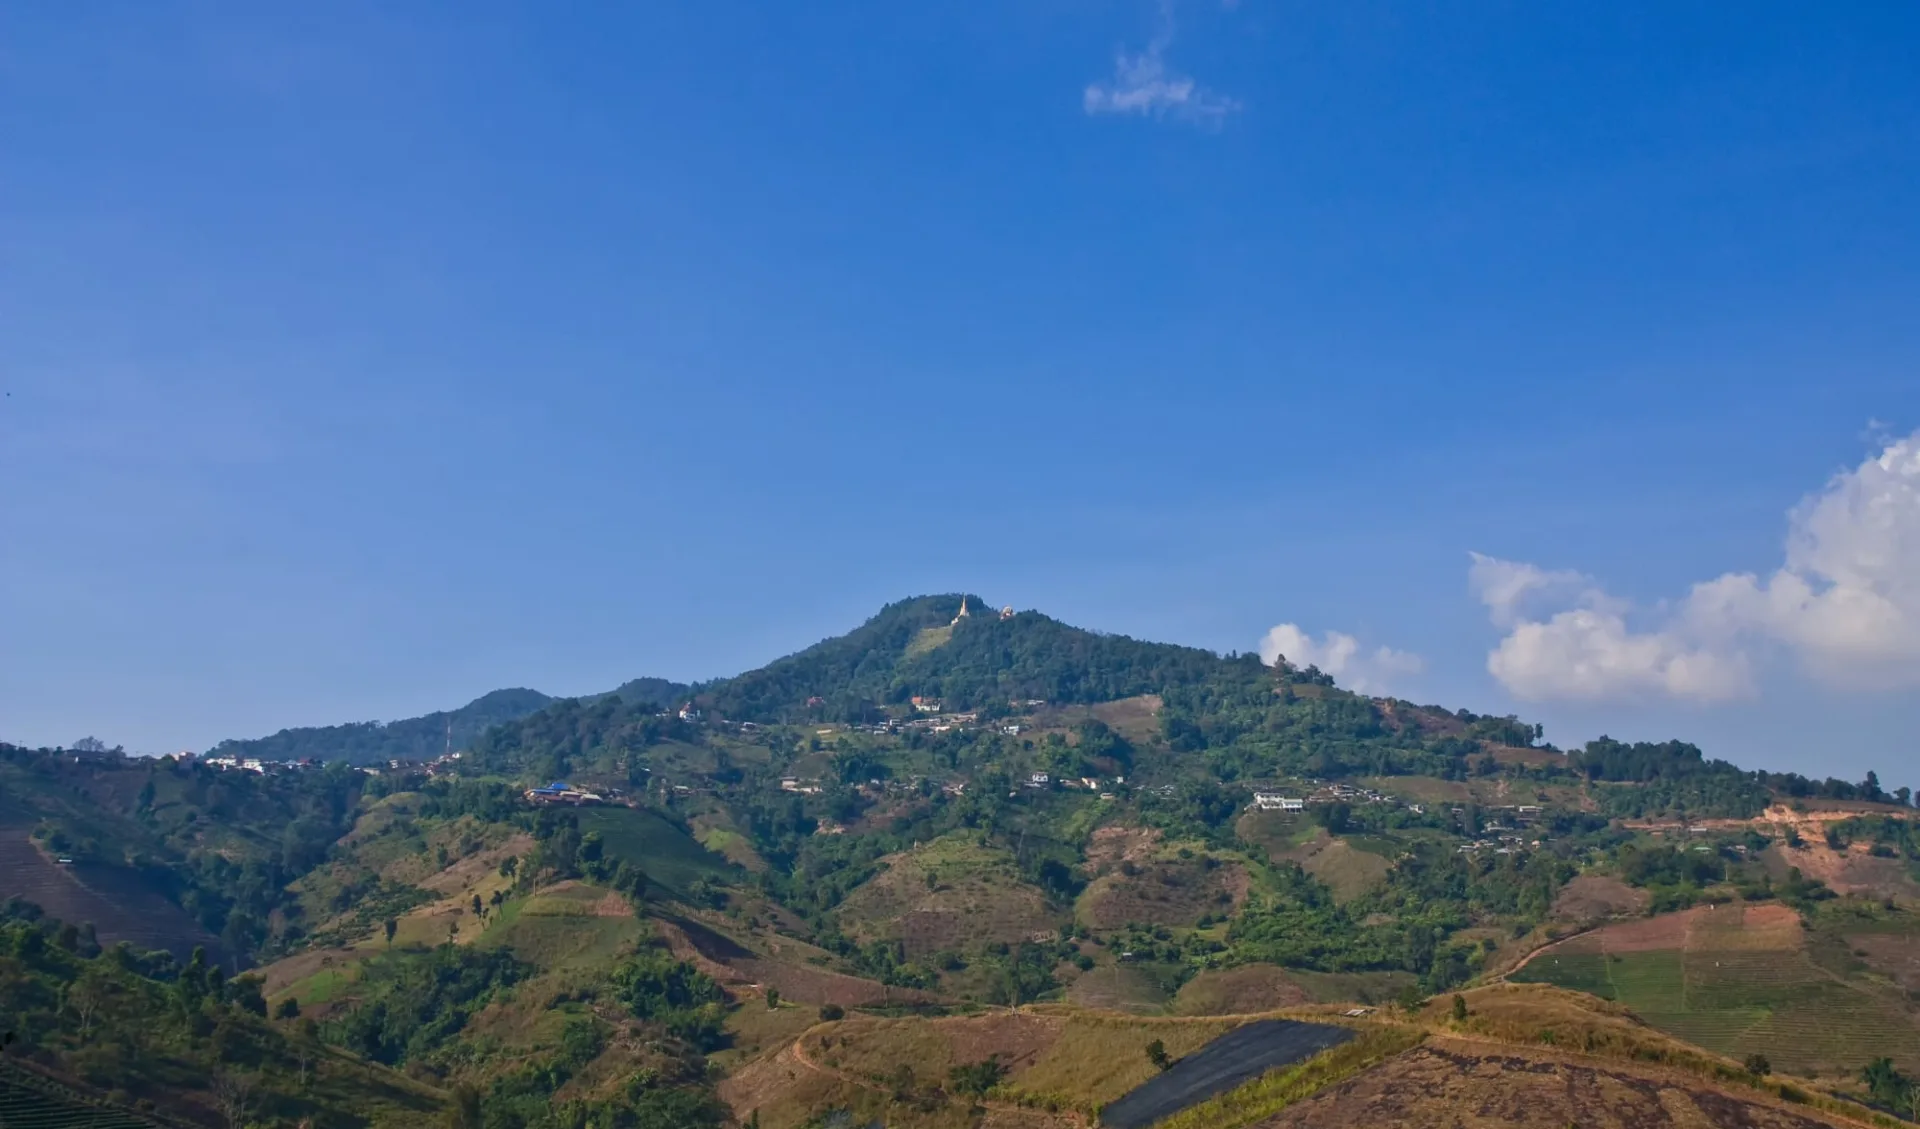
[376,742]
[1066,819]
[985,662]
[424,738]
[32,1100]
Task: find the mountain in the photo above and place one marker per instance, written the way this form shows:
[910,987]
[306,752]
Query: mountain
[424,738]
[376,742]
[655,691]
[789,903]
[924,647]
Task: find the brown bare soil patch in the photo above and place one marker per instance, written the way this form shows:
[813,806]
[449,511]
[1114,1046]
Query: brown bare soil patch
[613,905]
[1767,926]
[1347,871]
[1137,719]
[283,974]
[1018,1038]
[1668,931]
[780,1088]
[1853,871]
[1893,955]
[473,870]
[728,962]
[839,1067]
[808,985]
[1240,991]
[1400,715]
[953,893]
[1532,758]
[1111,846]
[1423,789]
[1456,1084]
[869,1045]
[1591,898]
[1167,892]
[1117,988]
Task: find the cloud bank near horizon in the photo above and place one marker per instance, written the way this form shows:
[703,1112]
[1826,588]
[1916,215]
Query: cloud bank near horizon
[1844,605]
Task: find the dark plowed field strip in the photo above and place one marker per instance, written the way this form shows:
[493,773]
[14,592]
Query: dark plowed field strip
[112,901]
[28,1101]
[1240,1055]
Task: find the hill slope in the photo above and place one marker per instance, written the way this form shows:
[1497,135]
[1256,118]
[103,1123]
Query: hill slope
[376,742]
[1064,820]
[907,650]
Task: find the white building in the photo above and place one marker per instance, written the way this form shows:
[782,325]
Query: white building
[1274,801]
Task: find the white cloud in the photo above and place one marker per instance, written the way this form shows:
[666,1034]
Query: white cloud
[1144,84]
[1340,655]
[1507,586]
[1846,604]
[1847,601]
[1590,654]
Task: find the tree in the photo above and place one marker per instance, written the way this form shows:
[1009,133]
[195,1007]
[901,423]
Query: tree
[479,910]
[288,1008]
[463,1111]
[1157,1055]
[86,995]
[832,1012]
[1757,1064]
[1459,1009]
[233,1096]
[1890,1087]
[393,926]
[977,1078]
[773,998]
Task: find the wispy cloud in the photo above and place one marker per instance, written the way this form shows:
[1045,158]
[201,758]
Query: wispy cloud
[1143,83]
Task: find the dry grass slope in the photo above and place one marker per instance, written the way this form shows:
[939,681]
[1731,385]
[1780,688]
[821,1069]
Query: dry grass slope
[948,894]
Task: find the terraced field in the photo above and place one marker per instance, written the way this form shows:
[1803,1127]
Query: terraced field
[109,897]
[1737,983]
[29,1101]
[670,856]
[573,926]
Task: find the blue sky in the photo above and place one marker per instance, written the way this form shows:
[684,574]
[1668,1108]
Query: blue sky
[359,360]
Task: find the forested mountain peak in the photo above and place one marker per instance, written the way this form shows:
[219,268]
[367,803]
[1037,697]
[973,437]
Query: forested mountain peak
[925,647]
